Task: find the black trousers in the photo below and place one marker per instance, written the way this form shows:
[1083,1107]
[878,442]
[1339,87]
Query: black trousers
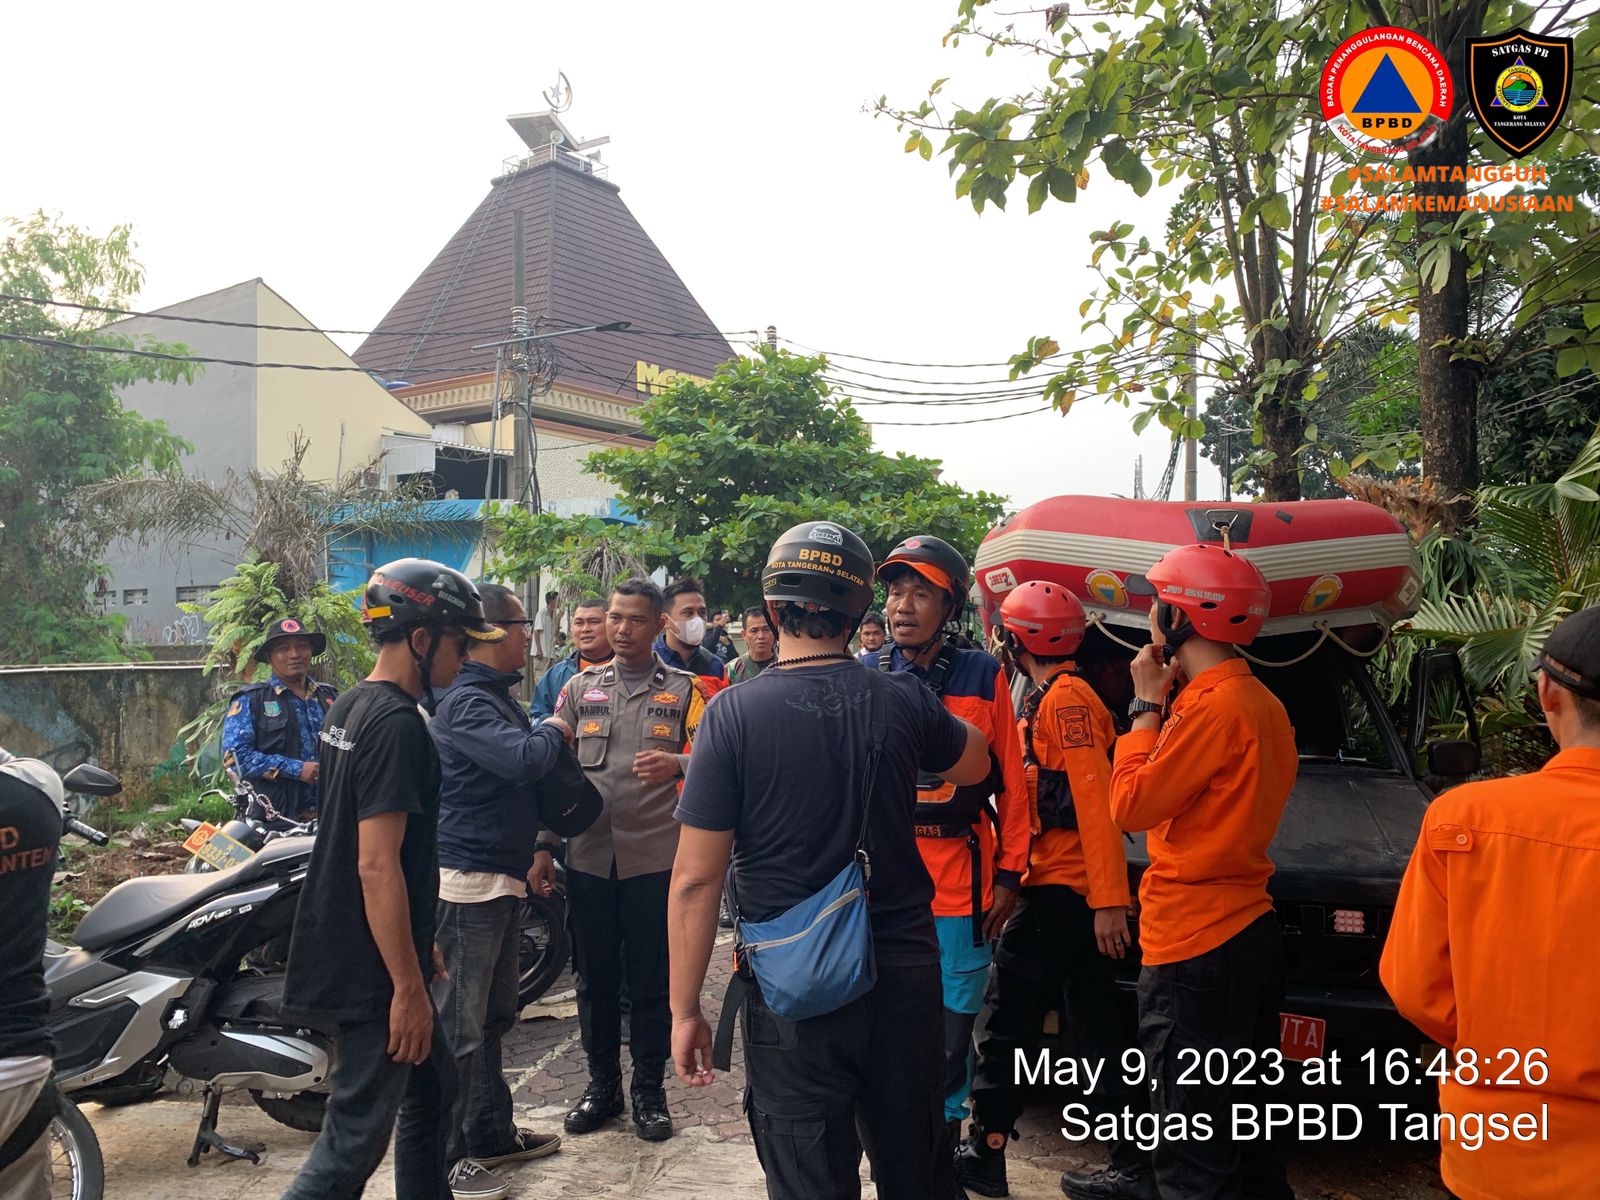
[619,934]
[869,1075]
[1227,998]
[366,1093]
[1048,953]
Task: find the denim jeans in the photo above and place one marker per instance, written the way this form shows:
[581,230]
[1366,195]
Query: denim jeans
[368,1090]
[478,1006]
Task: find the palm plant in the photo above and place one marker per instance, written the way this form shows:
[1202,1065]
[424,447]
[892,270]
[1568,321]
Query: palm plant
[1537,559]
[283,522]
[282,516]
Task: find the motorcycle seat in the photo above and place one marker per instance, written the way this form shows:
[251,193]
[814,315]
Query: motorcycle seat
[137,906]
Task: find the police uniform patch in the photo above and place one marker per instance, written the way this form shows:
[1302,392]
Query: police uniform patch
[271,708]
[590,727]
[236,708]
[666,697]
[1075,727]
[660,730]
[596,694]
[561,700]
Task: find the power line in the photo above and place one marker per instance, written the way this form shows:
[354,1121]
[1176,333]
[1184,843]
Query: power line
[109,310]
[891,362]
[129,313]
[968,421]
[98,348]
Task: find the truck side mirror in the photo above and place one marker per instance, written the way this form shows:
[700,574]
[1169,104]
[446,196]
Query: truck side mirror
[1453,758]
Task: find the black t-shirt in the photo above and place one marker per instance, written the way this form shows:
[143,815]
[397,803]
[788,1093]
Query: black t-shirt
[781,760]
[30,833]
[376,757]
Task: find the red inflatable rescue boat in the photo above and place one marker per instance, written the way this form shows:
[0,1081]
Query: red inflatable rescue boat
[1331,563]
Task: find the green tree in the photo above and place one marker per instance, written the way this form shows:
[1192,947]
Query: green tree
[762,446]
[1363,418]
[1254,277]
[62,428]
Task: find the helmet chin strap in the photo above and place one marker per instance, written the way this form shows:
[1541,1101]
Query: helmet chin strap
[1174,635]
[424,664]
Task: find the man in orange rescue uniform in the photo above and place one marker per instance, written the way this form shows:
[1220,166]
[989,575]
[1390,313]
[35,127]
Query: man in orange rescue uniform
[1071,922]
[1485,952]
[1209,784]
[975,853]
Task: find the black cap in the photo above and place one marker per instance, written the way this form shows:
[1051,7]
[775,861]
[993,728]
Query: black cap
[289,627]
[1571,654]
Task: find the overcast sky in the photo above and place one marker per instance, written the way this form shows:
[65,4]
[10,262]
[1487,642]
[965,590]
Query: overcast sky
[332,149]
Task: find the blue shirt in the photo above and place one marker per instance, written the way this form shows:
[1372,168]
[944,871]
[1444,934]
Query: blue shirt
[239,737]
[713,667]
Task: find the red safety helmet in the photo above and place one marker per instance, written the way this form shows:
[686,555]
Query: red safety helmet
[1044,618]
[1223,594]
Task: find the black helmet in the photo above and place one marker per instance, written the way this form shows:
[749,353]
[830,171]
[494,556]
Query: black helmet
[821,563]
[411,591]
[936,560]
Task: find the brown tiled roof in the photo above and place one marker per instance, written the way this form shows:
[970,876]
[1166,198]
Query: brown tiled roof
[588,262]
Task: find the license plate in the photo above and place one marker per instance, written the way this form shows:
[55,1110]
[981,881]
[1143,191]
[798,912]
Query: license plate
[1301,1038]
[217,849]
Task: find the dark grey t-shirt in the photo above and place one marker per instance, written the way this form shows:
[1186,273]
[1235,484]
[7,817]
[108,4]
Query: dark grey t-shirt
[780,760]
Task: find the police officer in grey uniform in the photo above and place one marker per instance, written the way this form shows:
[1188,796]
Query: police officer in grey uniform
[631,720]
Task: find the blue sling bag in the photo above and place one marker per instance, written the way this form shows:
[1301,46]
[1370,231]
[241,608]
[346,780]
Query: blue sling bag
[815,957]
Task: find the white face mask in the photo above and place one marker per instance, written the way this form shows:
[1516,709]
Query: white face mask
[692,631]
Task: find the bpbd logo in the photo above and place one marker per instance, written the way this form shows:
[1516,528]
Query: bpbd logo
[1386,91]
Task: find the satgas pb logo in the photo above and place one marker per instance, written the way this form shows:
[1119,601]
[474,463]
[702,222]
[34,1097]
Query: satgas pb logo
[1518,84]
[1386,91]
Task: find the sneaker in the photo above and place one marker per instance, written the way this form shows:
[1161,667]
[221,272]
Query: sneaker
[470,1180]
[526,1145]
[724,917]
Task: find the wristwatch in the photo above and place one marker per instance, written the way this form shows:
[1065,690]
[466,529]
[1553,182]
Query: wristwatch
[553,849]
[1139,707]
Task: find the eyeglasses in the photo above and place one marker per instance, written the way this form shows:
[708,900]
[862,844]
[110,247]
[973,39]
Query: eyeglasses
[525,622]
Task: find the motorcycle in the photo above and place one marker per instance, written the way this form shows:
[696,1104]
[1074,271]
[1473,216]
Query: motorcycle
[543,944]
[183,973]
[255,823]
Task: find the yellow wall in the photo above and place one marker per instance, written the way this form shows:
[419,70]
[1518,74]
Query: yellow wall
[322,404]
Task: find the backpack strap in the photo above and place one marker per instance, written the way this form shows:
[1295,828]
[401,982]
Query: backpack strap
[741,982]
[879,730]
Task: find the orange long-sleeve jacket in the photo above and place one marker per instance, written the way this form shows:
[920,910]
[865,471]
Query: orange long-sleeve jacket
[1210,788]
[1490,952]
[1071,734]
[975,690]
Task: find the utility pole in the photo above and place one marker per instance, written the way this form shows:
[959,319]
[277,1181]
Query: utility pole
[520,415]
[772,336]
[1191,412]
